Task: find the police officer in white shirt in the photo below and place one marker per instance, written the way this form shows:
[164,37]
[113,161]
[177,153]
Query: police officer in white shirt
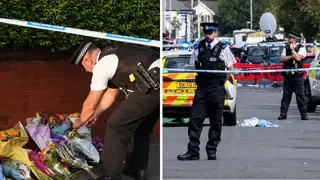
[135,70]
[208,54]
[292,57]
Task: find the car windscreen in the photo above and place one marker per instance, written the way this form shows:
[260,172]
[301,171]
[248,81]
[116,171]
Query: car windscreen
[256,51]
[275,51]
[180,62]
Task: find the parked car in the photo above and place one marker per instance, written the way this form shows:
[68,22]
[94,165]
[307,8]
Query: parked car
[312,83]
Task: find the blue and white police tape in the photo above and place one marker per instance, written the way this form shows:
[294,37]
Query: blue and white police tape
[238,71]
[264,44]
[95,34]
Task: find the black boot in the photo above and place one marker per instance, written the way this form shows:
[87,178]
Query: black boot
[304,117]
[137,175]
[282,117]
[212,156]
[188,156]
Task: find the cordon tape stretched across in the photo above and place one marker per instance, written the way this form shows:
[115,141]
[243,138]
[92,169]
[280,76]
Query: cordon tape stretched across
[240,71]
[115,37]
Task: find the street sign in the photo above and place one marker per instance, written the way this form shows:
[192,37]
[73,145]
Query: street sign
[186,11]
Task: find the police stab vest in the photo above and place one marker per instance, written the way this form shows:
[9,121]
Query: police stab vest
[290,63]
[129,55]
[209,59]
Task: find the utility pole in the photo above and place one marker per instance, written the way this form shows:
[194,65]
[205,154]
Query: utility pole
[164,16]
[191,22]
[170,31]
[251,14]
[198,11]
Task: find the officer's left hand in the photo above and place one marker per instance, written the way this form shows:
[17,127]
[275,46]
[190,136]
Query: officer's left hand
[77,124]
[291,46]
[91,121]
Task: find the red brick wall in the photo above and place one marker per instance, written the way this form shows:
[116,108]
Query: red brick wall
[50,86]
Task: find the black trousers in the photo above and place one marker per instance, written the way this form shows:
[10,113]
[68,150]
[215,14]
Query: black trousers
[211,100]
[290,85]
[136,116]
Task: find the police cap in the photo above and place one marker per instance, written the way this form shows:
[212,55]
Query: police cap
[78,55]
[209,26]
[294,35]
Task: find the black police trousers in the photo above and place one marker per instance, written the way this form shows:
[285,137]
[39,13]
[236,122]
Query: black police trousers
[135,116]
[206,100]
[293,84]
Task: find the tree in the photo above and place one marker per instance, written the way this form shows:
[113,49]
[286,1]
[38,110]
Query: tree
[138,18]
[293,15]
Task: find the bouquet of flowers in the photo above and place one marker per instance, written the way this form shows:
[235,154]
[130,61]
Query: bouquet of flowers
[11,133]
[82,130]
[70,157]
[18,166]
[38,130]
[13,149]
[97,143]
[10,172]
[60,125]
[50,157]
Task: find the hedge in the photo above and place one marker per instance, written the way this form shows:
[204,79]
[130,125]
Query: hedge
[138,18]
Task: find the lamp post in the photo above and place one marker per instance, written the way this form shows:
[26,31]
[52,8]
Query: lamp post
[198,10]
[251,14]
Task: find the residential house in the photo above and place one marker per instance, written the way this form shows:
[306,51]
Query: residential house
[188,29]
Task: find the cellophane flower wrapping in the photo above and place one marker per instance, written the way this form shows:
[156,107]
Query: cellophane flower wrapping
[50,157]
[12,173]
[12,148]
[60,125]
[18,166]
[82,130]
[85,147]
[38,130]
[72,158]
[1,173]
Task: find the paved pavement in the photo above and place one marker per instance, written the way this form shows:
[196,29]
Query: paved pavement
[153,168]
[291,151]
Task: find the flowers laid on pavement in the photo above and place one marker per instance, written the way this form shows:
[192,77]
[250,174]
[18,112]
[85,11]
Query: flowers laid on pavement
[60,149]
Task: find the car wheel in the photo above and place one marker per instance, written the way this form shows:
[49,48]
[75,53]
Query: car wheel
[230,119]
[311,106]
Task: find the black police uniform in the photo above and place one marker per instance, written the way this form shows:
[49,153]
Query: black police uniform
[137,114]
[293,82]
[209,98]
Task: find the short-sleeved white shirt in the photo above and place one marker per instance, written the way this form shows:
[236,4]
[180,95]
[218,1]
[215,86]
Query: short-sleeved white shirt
[225,55]
[103,71]
[302,51]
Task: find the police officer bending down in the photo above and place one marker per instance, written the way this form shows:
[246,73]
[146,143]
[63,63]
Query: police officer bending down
[292,58]
[208,54]
[134,70]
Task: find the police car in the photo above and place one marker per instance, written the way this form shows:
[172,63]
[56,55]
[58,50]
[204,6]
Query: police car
[312,85]
[179,88]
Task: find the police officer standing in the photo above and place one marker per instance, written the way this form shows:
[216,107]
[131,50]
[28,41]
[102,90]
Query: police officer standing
[134,70]
[208,54]
[292,58]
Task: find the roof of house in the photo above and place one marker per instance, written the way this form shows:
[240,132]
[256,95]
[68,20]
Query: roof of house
[211,4]
[175,5]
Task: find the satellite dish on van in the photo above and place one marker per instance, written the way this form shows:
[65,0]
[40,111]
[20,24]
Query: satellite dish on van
[268,24]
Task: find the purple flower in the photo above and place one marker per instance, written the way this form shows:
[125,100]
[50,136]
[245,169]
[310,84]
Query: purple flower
[58,139]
